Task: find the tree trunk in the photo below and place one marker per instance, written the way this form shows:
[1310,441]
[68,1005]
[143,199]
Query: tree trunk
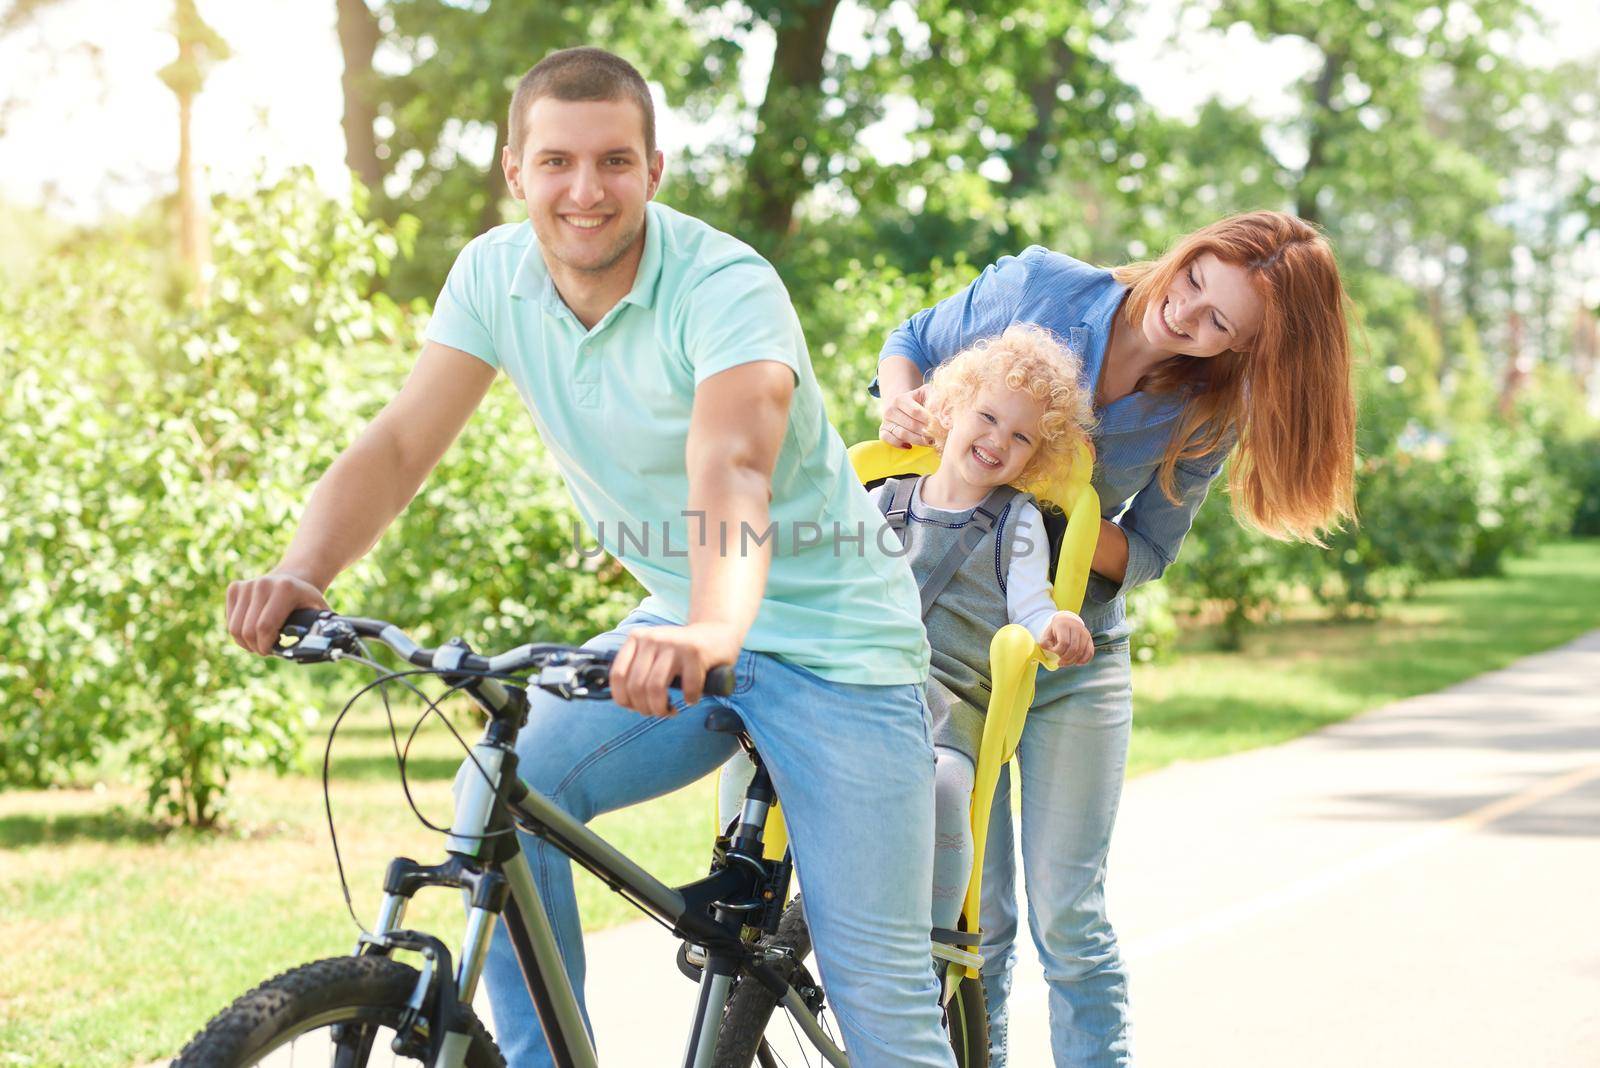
[1516,366]
[194,222]
[495,181]
[775,178]
[358,38]
[1305,203]
[1585,345]
[1026,161]
[199,48]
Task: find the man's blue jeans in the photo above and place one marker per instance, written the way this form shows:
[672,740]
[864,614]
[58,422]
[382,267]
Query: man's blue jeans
[1072,756]
[853,766]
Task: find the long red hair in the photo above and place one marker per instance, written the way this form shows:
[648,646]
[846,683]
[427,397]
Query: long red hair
[1288,397]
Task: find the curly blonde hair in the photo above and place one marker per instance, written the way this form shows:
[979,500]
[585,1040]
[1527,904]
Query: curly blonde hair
[1031,360]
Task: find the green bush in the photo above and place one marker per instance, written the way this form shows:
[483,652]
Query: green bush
[488,551]
[1433,509]
[160,452]
[1519,499]
[1577,463]
[1226,566]
[1554,407]
[1155,628]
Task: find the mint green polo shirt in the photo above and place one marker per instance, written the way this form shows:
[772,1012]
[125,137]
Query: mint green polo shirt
[612,405]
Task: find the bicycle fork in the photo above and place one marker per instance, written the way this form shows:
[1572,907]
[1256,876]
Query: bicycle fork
[483,862]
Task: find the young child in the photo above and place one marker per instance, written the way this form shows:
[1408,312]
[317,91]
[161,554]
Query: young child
[1006,412]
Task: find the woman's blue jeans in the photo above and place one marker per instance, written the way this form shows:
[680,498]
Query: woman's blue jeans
[854,768]
[1072,756]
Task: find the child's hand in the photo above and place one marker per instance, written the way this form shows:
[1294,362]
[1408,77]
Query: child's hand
[1067,637]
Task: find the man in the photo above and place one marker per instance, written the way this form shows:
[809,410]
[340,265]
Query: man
[669,379]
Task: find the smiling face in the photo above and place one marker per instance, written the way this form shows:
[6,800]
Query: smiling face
[992,437]
[585,175]
[1209,308]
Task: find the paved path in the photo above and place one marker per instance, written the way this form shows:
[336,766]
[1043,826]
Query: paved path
[1417,886]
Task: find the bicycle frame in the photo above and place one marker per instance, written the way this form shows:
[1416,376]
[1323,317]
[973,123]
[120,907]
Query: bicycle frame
[485,862]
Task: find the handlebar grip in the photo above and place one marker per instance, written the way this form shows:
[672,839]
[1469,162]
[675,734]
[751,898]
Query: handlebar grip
[302,618]
[719,681]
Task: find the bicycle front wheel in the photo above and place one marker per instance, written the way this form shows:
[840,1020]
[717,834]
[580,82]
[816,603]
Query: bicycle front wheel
[753,1023]
[341,1012]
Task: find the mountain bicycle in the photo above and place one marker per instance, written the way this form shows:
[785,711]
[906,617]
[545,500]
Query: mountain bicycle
[346,1011]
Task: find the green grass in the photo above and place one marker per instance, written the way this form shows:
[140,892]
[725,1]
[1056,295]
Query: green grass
[1303,674]
[121,939]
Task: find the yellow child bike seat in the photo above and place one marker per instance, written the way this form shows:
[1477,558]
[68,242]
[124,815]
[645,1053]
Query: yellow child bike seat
[1014,656]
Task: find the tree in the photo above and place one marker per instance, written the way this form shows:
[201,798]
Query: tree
[775,173]
[1377,162]
[985,134]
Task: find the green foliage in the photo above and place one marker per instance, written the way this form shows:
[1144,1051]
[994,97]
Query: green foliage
[1443,509]
[1578,464]
[1432,507]
[1553,409]
[489,549]
[1378,143]
[26,237]
[1236,570]
[847,322]
[199,48]
[1155,626]
[169,452]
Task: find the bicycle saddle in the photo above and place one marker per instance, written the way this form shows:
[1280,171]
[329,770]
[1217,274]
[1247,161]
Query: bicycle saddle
[724,720]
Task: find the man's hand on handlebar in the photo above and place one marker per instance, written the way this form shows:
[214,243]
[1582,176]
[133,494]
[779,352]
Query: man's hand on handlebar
[651,660]
[258,607]
[653,657]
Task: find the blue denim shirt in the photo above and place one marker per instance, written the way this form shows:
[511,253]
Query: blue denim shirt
[1077,302]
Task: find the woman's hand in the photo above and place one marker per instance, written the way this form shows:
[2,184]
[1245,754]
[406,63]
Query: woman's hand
[905,420]
[1067,637]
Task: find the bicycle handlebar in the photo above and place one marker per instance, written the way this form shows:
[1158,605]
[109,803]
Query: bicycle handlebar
[322,633]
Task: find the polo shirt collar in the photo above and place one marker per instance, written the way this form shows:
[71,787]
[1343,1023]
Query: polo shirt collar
[532,280]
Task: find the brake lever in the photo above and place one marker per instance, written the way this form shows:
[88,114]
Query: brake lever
[574,681]
[322,639]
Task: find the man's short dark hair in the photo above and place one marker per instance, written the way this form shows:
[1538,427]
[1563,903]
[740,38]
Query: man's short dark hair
[581,74]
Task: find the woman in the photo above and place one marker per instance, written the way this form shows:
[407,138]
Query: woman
[1233,343]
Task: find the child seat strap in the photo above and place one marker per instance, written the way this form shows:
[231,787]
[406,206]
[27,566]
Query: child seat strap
[900,505]
[976,529]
